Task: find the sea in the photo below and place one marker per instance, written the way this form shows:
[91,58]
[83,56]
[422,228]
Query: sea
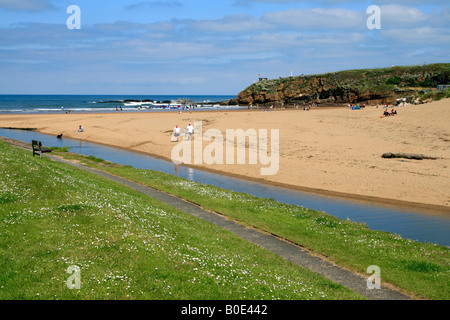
[35,104]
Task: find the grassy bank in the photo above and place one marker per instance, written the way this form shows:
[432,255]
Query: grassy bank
[349,86]
[435,95]
[127,245]
[418,268]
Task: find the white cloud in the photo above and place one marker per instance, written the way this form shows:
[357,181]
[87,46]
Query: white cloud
[414,38]
[440,18]
[140,5]
[197,54]
[233,24]
[317,19]
[338,2]
[27,5]
[400,16]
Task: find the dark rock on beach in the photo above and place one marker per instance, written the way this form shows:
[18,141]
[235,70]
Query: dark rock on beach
[413,156]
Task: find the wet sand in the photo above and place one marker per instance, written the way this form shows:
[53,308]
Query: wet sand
[336,151]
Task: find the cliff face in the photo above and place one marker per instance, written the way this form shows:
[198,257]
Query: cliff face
[371,86]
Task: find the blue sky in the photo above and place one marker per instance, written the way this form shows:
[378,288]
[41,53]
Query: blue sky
[206,47]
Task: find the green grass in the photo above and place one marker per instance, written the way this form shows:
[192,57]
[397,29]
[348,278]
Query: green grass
[383,81]
[59,149]
[419,268]
[127,245]
[435,95]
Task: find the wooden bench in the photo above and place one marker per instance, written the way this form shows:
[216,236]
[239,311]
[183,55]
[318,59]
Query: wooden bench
[38,149]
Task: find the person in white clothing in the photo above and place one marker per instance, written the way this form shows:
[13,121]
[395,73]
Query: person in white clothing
[189,131]
[176,132]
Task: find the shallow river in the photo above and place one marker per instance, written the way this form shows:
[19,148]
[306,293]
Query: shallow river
[416,224]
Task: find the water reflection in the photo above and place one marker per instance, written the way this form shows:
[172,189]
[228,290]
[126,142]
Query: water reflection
[416,224]
[190,174]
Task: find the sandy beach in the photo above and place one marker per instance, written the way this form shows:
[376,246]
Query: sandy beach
[334,150]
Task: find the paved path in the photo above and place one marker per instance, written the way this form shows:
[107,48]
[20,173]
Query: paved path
[285,249]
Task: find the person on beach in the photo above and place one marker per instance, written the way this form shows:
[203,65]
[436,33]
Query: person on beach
[176,132]
[80,129]
[189,131]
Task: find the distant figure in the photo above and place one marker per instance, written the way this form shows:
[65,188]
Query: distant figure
[59,136]
[190,131]
[393,112]
[81,129]
[176,132]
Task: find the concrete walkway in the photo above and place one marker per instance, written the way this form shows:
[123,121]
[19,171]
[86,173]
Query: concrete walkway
[285,249]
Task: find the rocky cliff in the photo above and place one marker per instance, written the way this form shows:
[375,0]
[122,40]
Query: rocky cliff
[371,86]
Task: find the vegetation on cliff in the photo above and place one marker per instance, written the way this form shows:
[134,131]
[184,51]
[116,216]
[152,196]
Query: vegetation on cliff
[374,86]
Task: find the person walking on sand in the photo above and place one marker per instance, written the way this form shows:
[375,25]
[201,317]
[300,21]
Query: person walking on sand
[189,131]
[176,132]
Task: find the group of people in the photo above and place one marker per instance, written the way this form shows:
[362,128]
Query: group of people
[386,113]
[177,132]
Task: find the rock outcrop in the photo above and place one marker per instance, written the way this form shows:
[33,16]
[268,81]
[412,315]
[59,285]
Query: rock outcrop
[371,86]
